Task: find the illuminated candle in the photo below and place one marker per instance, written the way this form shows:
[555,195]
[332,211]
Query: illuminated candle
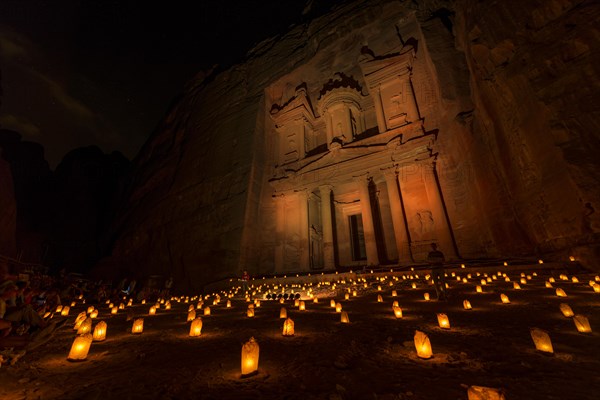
[100,331]
[80,348]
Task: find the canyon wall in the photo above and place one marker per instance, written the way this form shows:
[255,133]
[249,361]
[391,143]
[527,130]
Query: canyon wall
[507,92]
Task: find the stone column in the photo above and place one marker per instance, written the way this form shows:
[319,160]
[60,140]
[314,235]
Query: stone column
[367,220]
[279,233]
[326,218]
[438,210]
[398,217]
[304,247]
[412,111]
[379,109]
[329,128]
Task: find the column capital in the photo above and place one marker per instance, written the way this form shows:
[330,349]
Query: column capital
[325,189]
[390,173]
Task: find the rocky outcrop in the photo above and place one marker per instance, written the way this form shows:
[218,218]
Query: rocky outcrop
[509,91]
[57,218]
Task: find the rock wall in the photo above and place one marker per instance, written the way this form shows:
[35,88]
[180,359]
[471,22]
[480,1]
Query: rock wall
[509,89]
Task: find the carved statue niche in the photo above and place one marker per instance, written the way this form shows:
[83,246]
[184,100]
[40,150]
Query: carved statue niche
[340,105]
[294,125]
[389,81]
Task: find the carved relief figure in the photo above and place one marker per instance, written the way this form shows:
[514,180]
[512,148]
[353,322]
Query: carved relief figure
[423,225]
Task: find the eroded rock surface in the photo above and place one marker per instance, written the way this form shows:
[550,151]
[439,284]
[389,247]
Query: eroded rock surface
[507,115]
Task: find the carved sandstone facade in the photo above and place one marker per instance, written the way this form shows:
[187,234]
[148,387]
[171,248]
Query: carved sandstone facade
[354,178]
[363,135]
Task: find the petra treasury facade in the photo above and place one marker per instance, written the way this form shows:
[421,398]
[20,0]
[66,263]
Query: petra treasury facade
[360,137]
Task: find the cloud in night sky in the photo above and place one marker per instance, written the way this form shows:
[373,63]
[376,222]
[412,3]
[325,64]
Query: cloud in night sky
[37,102]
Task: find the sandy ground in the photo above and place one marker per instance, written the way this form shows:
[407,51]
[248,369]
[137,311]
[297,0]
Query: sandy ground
[373,357]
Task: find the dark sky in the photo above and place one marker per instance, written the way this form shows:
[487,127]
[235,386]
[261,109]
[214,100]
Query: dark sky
[104,72]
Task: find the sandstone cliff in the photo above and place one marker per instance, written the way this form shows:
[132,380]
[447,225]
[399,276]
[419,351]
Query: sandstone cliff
[509,87]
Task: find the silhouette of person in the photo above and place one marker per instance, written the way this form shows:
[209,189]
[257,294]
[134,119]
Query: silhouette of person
[436,259]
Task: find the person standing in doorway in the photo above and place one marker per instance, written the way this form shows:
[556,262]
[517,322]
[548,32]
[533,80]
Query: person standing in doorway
[436,259]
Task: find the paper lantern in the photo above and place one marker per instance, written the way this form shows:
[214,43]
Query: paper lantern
[426,296]
[152,310]
[196,327]
[347,296]
[73,304]
[596,288]
[542,341]
[484,393]
[566,310]
[65,311]
[504,298]
[283,313]
[344,319]
[79,320]
[523,282]
[191,315]
[80,348]
[296,302]
[560,292]
[582,324]
[168,305]
[94,314]
[574,279]
[414,285]
[332,303]
[90,309]
[540,261]
[228,303]
[250,312]
[301,306]
[422,345]
[191,307]
[379,298]
[207,310]
[138,326]
[551,279]
[143,301]
[85,327]
[130,303]
[397,312]
[548,284]
[288,327]
[478,289]
[516,286]
[338,307]
[250,353]
[443,321]
[395,303]
[467,305]
[354,293]
[121,306]
[114,310]
[59,308]
[100,331]
[394,293]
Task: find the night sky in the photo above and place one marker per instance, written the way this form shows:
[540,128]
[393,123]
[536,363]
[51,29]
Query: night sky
[105,72]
